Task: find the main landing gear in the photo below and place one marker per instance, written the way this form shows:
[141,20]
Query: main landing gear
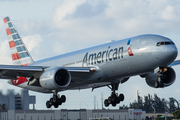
[114,99]
[56,100]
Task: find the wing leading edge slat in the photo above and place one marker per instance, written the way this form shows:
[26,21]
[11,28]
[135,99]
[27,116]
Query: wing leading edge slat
[13,71]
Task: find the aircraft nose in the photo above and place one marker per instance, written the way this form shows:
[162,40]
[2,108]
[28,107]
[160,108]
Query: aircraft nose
[172,53]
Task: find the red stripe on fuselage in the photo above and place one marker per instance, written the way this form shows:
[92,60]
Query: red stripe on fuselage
[25,64]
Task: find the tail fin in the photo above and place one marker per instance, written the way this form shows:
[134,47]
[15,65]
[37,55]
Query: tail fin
[20,54]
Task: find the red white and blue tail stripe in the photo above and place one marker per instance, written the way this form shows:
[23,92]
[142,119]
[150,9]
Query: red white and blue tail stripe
[20,54]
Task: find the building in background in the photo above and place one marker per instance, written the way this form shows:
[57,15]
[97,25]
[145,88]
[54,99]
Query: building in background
[65,114]
[12,101]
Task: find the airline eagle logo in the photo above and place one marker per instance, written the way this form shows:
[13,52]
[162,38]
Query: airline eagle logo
[129,48]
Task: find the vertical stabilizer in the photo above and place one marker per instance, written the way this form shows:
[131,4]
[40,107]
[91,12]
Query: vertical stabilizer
[19,52]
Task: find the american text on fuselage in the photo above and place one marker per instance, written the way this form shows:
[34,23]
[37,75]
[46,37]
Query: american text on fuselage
[100,57]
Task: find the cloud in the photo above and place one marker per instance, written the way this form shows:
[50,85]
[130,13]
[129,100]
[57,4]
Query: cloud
[67,7]
[87,10]
[32,41]
[168,13]
[5,57]
[113,20]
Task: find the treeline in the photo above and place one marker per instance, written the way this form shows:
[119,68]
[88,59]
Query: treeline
[154,103]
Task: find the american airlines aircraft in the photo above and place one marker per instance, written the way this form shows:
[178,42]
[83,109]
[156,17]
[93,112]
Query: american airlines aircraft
[110,64]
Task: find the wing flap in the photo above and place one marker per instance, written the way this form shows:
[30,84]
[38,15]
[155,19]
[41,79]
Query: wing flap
[12,71]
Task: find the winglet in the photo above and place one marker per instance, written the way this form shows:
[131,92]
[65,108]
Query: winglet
[19,52]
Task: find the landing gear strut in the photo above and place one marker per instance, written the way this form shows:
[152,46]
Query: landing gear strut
[114,99]
[161,75]
[56,100]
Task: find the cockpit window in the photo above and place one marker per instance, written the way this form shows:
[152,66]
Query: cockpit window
[160,43]
[172,43]
[167,43]
[164,43]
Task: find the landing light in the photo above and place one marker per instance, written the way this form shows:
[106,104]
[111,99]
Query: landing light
[92,69]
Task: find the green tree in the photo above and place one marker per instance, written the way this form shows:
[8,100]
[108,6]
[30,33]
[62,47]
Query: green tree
[172,106]
[176,114]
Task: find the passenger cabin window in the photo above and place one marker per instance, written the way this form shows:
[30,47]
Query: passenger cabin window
[164,43]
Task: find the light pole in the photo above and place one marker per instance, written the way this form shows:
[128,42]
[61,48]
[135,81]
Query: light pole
[86,105]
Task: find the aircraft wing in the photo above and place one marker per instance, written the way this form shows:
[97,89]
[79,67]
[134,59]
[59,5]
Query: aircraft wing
[177,62]
[13,71]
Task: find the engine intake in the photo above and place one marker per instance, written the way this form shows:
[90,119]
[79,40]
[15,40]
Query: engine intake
[166,79]
[55,78]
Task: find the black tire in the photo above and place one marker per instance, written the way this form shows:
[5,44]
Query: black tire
[51,101]
[56,105]
[48,105]
[106,103]
[113,97]
[114,104]
[109,100]
[63,98]
[59,101]
[55,98]
[118,100]
[121,97]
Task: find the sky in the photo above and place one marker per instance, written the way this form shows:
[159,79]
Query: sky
[50,28]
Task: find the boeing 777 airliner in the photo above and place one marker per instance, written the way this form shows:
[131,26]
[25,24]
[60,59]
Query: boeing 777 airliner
[108,64]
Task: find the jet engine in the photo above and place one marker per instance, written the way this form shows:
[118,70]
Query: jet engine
[55,78]
[160,80]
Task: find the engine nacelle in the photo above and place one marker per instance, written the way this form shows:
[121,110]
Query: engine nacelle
[55,78]
[166,79]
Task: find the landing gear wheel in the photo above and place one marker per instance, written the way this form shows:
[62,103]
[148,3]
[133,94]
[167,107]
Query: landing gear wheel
[106,103]
[59,101]
[55,98]
[51,101]
[121,97]
[48,104]
[56,105]
[63,98]
[113,98]
[114,104]
[109,100]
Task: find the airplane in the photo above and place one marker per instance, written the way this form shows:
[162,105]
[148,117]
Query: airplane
[151,56]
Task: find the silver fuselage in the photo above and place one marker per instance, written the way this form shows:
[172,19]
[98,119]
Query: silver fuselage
[113,61]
